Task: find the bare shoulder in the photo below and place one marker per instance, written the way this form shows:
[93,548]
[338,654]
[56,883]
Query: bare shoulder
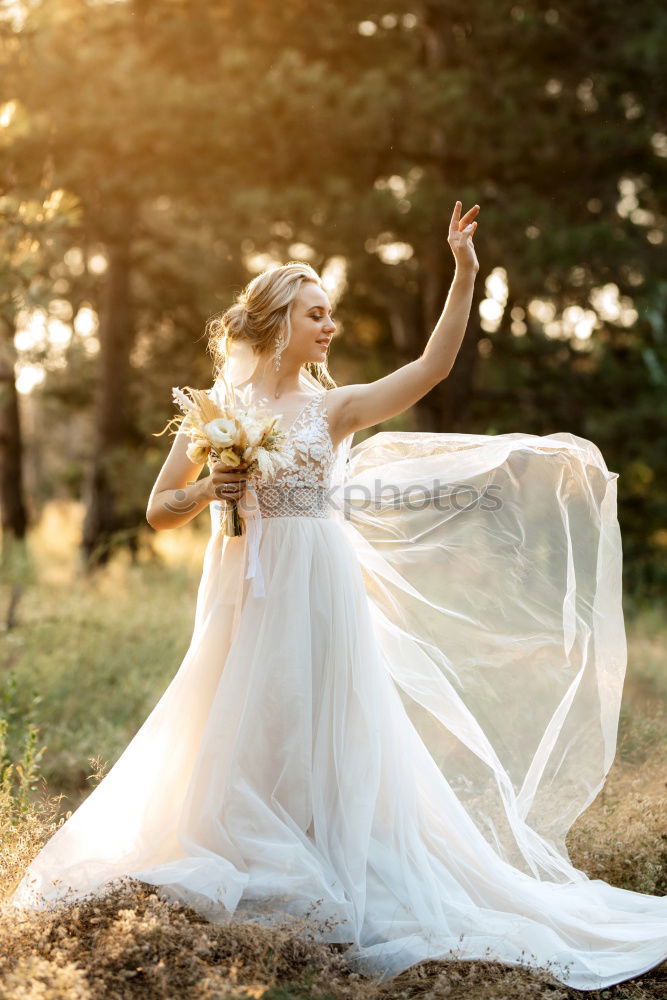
[366,404]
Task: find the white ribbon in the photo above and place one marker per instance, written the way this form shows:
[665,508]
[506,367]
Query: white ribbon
[249,510]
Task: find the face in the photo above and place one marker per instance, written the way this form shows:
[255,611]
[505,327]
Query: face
[312,325]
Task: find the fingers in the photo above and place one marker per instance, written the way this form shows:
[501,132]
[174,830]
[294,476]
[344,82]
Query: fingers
[226,473]
[458,223]
[454,221]
[231,484]
[228,485]
[228,491]
[468,217]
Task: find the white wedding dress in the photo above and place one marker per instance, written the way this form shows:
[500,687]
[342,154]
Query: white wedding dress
[399,695]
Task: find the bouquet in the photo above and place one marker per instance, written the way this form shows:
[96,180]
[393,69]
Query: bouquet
[236,435]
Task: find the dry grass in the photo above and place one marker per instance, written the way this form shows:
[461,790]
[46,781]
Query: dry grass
[622,837]
[130,942]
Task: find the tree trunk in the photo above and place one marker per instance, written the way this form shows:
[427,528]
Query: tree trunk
[445,407]
[12,503]
[105,525]
[14,517]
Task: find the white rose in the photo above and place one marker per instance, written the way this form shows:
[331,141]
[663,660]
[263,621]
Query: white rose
[197,452]
[220,432]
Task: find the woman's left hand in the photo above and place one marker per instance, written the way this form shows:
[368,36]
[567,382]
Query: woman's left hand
[461,232]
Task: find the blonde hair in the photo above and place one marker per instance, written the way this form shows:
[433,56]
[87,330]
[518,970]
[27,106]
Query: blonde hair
[261,313]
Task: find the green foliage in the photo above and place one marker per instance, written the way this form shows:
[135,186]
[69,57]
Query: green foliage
[16,563]
[210,133]
[20,755]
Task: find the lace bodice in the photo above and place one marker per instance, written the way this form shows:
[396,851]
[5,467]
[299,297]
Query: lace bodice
[300,488]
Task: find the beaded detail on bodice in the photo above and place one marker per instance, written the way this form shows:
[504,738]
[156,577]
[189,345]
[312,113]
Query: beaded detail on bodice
[301,487]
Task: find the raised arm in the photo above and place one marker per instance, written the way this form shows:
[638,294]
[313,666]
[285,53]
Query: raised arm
[353,407]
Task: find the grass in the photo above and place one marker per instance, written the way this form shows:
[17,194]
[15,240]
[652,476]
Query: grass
[88,659]
[92,655]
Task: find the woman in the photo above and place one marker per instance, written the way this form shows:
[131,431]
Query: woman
[394,703]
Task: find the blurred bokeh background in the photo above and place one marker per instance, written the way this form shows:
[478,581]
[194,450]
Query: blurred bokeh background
[158,153]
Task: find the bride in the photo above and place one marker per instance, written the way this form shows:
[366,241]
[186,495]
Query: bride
[403,682]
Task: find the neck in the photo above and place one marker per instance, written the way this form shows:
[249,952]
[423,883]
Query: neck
[266,382]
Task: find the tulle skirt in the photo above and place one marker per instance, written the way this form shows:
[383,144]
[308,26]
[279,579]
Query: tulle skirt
[283,773]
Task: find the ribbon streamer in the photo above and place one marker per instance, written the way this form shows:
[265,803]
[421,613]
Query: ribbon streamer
[250,512]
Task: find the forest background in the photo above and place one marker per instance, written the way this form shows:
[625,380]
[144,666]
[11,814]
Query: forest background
[157,154]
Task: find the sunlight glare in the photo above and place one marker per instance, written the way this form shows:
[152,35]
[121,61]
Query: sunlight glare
[31,331]
[98,263]
[334,277]
[491,308]
[60,334]
[86,321]
[578,322]
[611,306]
[301,251]
[7,113]
[28,376]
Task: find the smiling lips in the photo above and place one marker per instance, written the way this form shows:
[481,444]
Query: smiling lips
[324,343]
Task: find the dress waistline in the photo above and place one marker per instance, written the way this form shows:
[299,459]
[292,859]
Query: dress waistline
[277,500]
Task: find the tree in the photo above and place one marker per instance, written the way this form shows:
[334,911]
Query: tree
[29,235]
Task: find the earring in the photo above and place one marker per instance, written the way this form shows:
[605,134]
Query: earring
[277,353]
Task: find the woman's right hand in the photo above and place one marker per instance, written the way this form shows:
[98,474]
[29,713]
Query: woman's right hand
[461,232]
[226,482]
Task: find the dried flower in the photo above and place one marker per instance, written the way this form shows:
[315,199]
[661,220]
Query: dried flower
[234,435]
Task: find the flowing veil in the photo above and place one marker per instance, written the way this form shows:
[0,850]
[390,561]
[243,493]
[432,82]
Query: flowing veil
[492,564]
[493,567]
